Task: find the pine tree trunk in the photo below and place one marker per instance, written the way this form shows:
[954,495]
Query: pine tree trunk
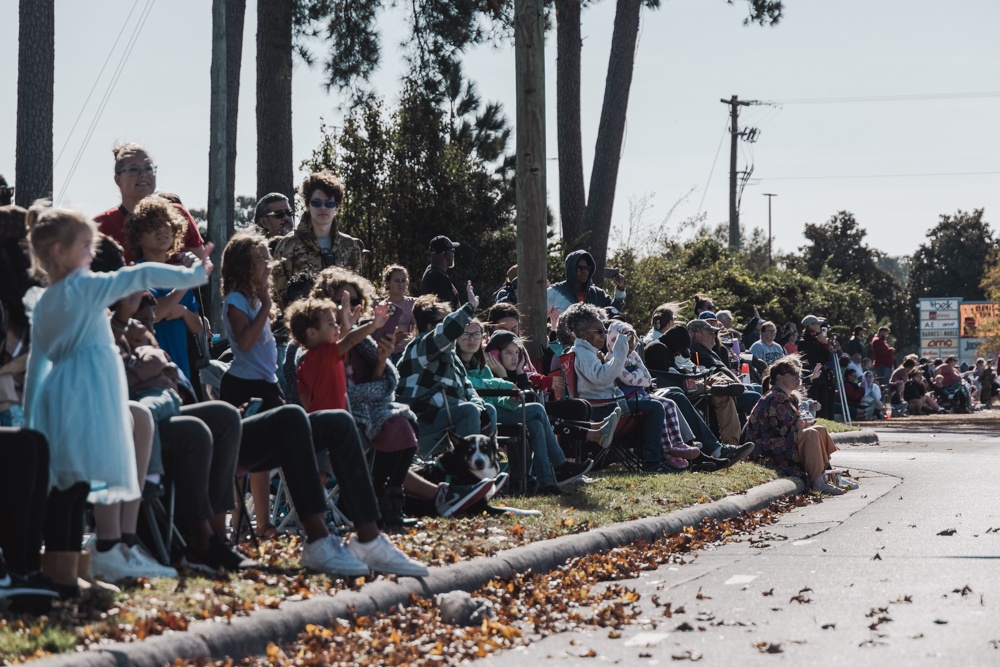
[36,55]
[610,133]
[274,98]
[572,196]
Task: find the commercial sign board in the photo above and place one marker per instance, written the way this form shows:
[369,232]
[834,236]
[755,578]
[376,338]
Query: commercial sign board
[974,315]
[940,327]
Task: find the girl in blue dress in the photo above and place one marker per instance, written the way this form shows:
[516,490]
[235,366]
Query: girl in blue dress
[75,389]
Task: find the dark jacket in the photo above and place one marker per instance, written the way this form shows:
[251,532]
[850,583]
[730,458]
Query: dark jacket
[436,282]
[563,294]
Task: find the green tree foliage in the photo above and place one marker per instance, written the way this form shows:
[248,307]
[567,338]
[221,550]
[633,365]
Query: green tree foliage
[414,173]
[954,260]
[838,246]
[704,264]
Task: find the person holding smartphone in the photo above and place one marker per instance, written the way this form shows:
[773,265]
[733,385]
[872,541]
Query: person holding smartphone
[579,285]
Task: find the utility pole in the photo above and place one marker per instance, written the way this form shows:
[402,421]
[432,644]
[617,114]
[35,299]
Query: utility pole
[529,63]
[769,195]
[734,130]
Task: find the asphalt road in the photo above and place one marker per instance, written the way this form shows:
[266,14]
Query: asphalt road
[886,588]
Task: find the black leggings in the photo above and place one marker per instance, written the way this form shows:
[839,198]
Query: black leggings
[24,483]
[64,518]
[389,469]
[237,391]
[287,438]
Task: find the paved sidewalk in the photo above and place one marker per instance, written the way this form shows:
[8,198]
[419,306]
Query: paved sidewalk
[250,635]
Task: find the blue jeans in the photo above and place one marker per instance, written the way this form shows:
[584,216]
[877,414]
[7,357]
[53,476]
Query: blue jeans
[545,449]
[652,425]
[746,401]
[709,443]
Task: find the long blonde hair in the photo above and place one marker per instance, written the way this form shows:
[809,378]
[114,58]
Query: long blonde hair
[49,227]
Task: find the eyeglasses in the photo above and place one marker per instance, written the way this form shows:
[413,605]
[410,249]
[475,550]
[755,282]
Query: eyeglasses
[472,336]
[134,172]
[319,203]
[287,213]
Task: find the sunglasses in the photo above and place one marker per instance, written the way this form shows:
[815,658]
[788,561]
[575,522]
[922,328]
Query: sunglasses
[287,213]
[319,203]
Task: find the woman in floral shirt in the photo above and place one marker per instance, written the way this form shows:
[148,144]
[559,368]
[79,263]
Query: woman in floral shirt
[788,439]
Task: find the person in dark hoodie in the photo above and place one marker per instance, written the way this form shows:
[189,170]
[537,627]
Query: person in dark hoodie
[579,286]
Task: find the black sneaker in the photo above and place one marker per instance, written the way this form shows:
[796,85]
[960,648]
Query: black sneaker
[12,585]
[572,471]
[454,498]
[218,557]
[736,453]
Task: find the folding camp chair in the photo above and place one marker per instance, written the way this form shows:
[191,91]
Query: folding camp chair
[626,447]
[157,531]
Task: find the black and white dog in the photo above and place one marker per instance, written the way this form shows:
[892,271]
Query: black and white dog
[467,460]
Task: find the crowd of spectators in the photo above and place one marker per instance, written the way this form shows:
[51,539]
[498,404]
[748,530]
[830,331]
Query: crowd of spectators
[329,377]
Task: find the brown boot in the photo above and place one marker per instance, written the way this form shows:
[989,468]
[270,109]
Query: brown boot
[61,568]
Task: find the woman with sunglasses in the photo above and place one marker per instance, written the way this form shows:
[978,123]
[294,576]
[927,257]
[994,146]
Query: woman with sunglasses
[787,435]
[316,243]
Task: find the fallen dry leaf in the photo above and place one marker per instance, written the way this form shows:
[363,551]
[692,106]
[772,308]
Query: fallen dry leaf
[767,592]
[948,532]
[693,656]
[768,647]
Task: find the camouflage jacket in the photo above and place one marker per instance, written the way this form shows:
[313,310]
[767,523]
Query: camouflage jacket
[300,251]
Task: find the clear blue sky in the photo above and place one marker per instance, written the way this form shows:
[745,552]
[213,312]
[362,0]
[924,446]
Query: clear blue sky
[897,164]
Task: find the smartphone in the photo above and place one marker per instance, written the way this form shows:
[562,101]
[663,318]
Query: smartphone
[253,407]
[611,273]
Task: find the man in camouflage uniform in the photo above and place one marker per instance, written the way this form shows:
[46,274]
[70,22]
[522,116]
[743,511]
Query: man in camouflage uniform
[316,243]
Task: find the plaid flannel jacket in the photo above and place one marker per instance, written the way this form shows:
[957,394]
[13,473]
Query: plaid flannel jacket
[430,366]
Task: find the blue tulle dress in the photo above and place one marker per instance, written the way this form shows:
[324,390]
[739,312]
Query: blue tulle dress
[75,389]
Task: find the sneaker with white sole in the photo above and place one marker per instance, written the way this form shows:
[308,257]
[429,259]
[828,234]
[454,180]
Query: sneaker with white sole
[381,555]
[824,487]
[454,498]
[328,554]
[499,482]
[143,557]
[609,427]
[571,471]
[119,564]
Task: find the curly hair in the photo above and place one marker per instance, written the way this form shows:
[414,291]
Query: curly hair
[304,314]
[150,214]
[330,283]
[326,182]
[126,150]
[237,263]
[577,316]
[49,227]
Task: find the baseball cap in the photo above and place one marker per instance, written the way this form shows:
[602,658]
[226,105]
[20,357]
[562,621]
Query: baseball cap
[441,244]
[809,320]
[700,325]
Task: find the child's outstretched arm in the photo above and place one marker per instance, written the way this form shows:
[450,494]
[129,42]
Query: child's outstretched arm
[106,288]
[358,334]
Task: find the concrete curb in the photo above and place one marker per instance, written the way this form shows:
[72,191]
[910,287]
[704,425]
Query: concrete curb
[863,437]
[250,635]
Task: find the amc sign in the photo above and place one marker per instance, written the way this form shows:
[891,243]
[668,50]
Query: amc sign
[941,342]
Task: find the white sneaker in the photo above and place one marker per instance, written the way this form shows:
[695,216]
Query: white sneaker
[382,556]
[153,565]
[119,564]
[824,487]
[329,555]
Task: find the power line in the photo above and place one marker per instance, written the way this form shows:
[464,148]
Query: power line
[96,81]
[845,176]
[107,93]
[887,98]
[711,171]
